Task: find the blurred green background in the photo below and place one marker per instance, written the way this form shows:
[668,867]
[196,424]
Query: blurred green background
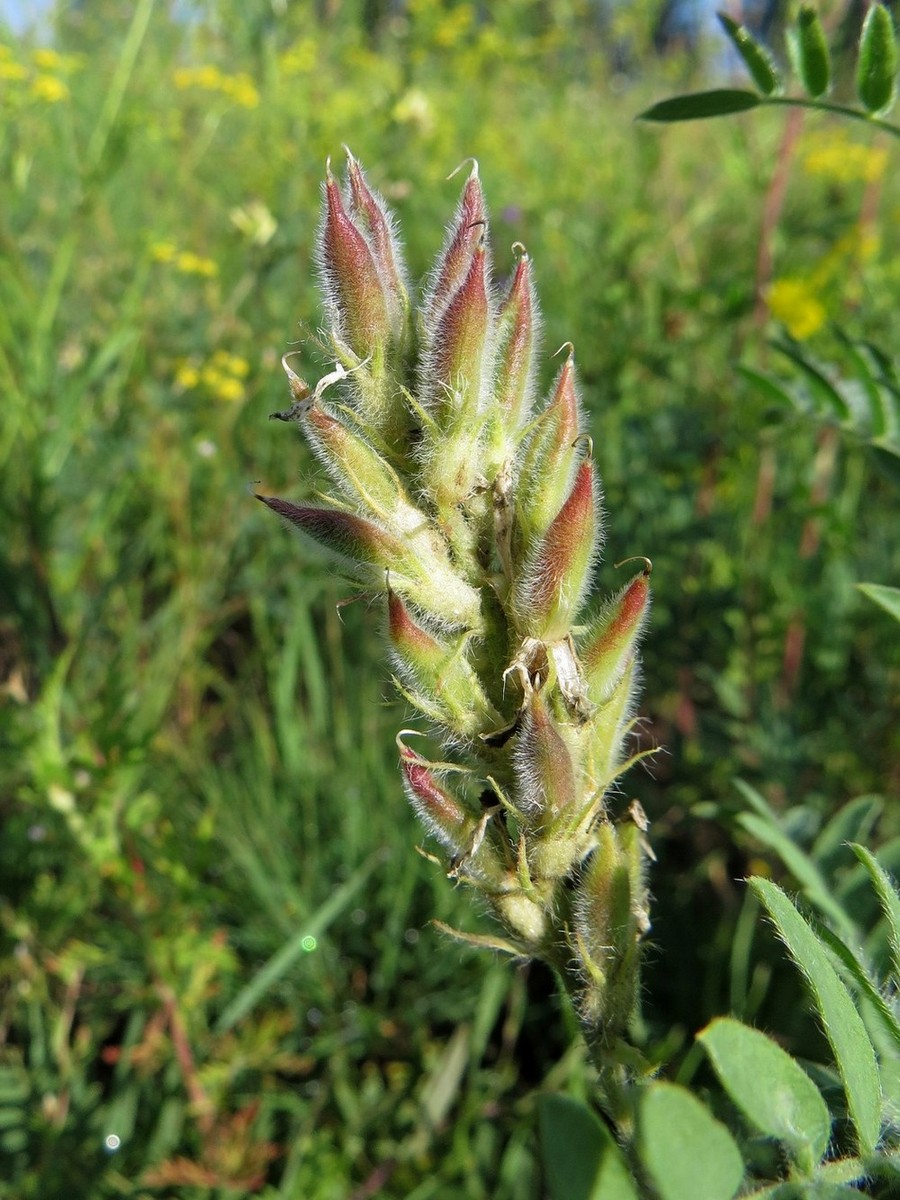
[218,974]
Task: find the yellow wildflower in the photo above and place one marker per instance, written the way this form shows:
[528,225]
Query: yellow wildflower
[194,264]
[834,156]
[414,108]
[794,302]
[300,58]
[229,388]
[233,363]
[49,88]
[221,385]
[163,251]
[187,376]
[255,222]
[12,70]
[48,60]
[241,89]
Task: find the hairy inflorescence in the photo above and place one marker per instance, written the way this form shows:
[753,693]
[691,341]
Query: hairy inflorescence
[476,517]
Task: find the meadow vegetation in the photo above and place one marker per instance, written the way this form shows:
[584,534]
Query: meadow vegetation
[218,972]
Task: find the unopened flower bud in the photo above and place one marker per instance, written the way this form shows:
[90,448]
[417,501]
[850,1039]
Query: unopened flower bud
[371,214]
[549,591]
[353,287]
[611,919]
[545,773]
[550,458]
[610,642]
[467,232]
[357,542]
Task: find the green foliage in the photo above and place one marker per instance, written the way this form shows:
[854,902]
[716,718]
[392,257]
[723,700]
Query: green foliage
[774,1094]
[756,58]
[808,49]
[581,1158]
[860,396]
[876,73]
[807,44]
[197,757]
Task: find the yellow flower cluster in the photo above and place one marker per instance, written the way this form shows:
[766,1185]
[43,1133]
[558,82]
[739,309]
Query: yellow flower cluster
[300,58]
[836,157]
[43,76]
[185,261]
[794,301]
[240,88]
[222,376]
[797,301]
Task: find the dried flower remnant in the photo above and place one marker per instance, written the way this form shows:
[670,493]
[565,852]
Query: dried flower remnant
[478,521]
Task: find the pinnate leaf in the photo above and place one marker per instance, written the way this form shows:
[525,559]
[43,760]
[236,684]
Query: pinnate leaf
[887,894]
[809,51]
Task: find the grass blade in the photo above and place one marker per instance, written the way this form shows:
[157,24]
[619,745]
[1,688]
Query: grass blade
[299,944]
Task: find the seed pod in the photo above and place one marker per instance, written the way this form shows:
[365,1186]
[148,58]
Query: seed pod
[447,687]
[876,71]
[517,333]
[442,814]
[359,470]
[549,591]
[756,58]
[455,363]
[809,52]
[439,812]
[354,292]
[610,920]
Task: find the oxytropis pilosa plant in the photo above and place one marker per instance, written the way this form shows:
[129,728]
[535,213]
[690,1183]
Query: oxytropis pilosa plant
[477,518]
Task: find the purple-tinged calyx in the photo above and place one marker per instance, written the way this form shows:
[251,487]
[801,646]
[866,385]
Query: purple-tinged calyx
[550,588]
[371,215]
[353,287]
[609,645]
[545,774]
[467,232]
[456,362]
[550,458]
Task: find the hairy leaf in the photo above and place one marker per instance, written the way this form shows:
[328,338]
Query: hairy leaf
[844,1028]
